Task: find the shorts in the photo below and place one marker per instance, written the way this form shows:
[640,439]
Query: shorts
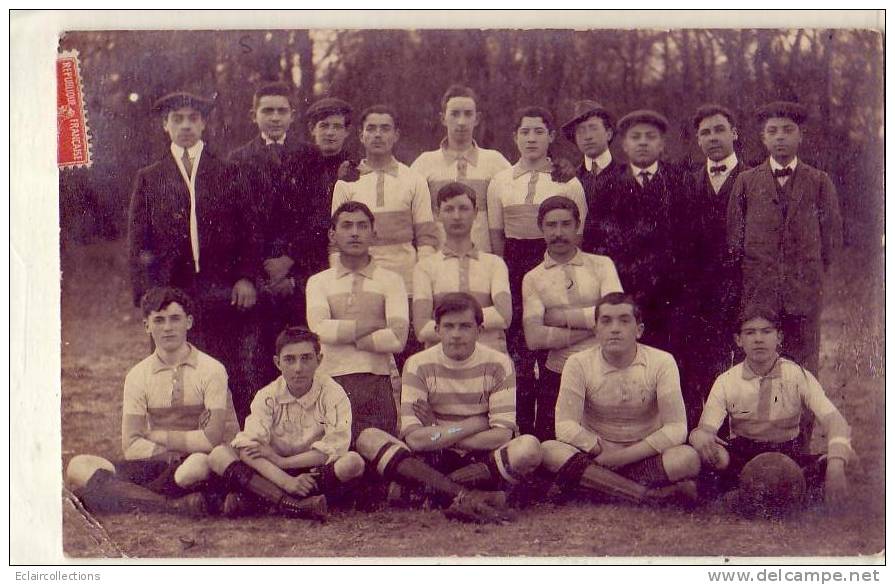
[743,450]
[372,404]
[155,475]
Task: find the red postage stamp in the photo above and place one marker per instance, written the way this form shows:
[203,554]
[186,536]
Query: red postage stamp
[72,133]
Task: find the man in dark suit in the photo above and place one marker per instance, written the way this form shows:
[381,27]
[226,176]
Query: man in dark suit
[189,226]
[591,128]
[784,223]
[712,300]
[640,225]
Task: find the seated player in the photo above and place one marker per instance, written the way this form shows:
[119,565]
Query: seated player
[295,443]
[176,410]
[620,422]
[764,396]
[458,416]
[460,266]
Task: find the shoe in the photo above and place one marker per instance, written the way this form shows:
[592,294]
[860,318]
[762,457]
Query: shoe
[193,505]
[312,508]
[235,505]
[681,493]
[480,507]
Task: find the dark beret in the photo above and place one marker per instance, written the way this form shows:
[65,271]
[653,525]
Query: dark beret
[327,107]
[584,109]
[643,117]
[795,112]
[182,99]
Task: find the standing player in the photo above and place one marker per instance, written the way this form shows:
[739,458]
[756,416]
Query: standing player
[642,225]
[784,225]
[764,397]
[460,159]
[559,296]
[461,267]
[295,442]
[397,196]
[513,199]
[714,289]
[176,409]
[457,415]
[620,421]
[190,225]
[359,310]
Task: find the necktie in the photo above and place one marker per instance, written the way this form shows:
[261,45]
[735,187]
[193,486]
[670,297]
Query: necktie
[462,167]
[644,177]
[187,163]
[782,173]
[532,187]
[594,168]
[276,152]
[717,170]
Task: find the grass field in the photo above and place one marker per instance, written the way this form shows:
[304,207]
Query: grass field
[102,338]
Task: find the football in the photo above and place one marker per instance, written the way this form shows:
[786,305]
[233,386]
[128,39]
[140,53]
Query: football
[772,485]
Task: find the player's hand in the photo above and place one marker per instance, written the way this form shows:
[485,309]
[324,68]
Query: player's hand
[423,411]
[563,171]
[610,460]
[278,268]
[836,484]
[244,295]
[301,485]
[348,172]
[555,317]
[282,288]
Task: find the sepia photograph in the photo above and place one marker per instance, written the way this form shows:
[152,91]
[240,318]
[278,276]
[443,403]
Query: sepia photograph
[527,293]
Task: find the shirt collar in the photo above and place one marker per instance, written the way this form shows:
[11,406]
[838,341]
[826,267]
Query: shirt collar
[729,162]
[451,253]
[652,169]
[606,367]
[366,271]
[283,396]
[391,168]
[576,260]
[470,155]
[267,140]
[191,359]
[603,160]
[194,150]
[748,374]
[775,166]
[545,167]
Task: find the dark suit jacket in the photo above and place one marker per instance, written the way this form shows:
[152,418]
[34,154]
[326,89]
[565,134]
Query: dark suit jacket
[159,227]
[784,255]
[647,233]
[593,187]
[274,178]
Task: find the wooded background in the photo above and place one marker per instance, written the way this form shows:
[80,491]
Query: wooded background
[837,74]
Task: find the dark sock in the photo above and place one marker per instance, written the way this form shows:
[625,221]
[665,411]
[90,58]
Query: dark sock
[407,469]
[105,492]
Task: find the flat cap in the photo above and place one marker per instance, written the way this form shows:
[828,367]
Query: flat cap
[583,110]
[327,107]
[795,112]
[182,99]
[643,117]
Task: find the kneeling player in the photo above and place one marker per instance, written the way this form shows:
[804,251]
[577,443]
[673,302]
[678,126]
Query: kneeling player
[458,416]
[620,420]
[294,449]
[763,396]
[176,409]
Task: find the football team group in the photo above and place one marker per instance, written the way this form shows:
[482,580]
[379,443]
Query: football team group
[568,320]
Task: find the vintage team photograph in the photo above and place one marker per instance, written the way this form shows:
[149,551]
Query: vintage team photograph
[522,294]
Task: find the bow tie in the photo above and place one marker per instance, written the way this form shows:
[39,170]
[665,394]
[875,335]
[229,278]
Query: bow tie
[718,169]
[782,172]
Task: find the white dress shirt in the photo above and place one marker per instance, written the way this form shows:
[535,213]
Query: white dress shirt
[717,179]
[195,153]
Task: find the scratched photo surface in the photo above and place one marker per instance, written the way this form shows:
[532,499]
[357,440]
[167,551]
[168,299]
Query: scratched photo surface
[836,74]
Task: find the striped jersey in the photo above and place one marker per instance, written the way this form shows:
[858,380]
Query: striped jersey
[319,420]
[337,298]
[641,402]
[768,408]
[575,287]
[515,194]
[176,398]
[475,167]
[400,202]
[480,274]
[482,384]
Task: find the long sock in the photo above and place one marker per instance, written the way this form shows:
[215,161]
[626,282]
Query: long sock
[106,493]
[579,471]
[404,468]
[473,475]
[241,476]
